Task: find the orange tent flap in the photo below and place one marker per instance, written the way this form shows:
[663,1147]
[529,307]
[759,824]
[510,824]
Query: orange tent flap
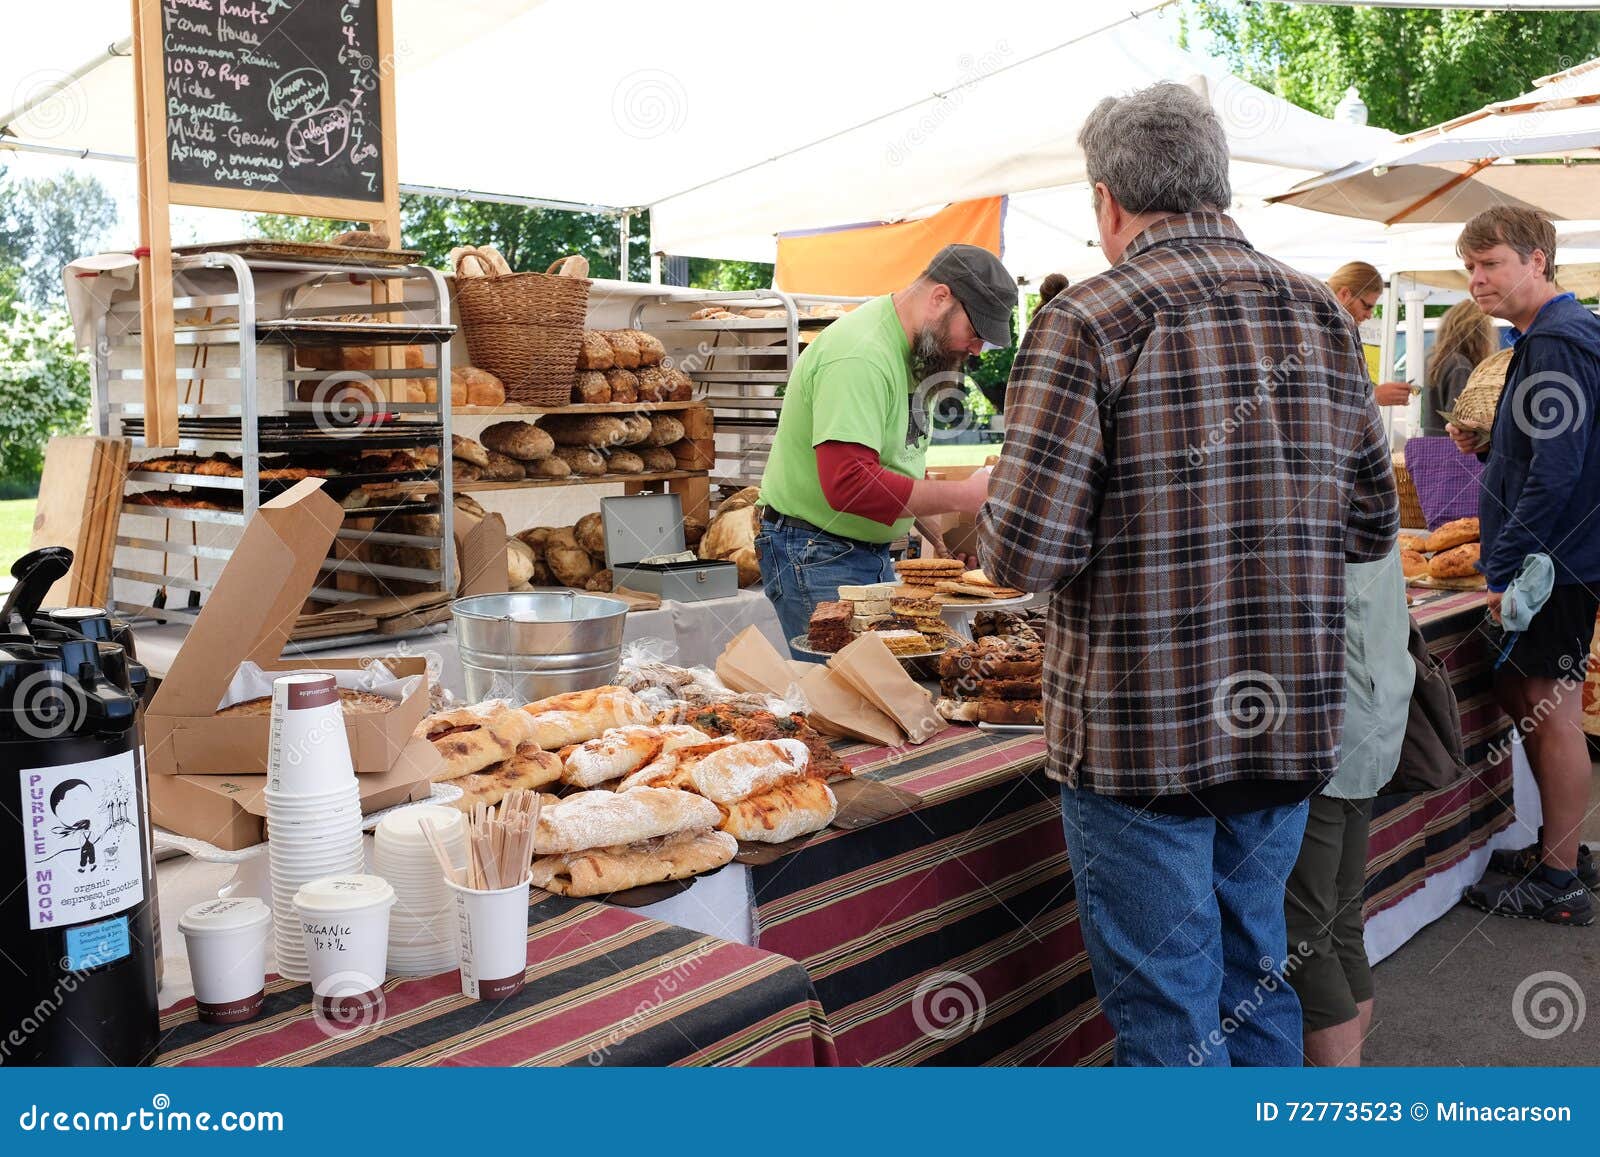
[867,260]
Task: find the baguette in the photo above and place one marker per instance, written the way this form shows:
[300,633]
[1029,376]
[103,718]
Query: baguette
[745,769]
[606,819]
[601,871]
[579,716]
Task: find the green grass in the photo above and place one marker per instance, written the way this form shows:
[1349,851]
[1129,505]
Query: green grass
[16,531]
[952,455]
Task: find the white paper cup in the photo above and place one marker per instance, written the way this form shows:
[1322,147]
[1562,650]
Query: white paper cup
[344,923]
[492,940]
[227,942]
[309,751]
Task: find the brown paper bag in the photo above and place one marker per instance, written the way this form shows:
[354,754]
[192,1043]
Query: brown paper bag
[836,708]
[868,665]
[751,664]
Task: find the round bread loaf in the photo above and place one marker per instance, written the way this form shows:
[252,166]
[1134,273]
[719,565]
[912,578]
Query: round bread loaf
[1457,562]
[1453,534]
[521,440]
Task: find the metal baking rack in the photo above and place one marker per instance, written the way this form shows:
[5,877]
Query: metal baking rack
[740,365]
[239,322]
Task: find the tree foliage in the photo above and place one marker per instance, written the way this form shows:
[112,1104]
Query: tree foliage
[1413,67]
[44,387]
[45,222]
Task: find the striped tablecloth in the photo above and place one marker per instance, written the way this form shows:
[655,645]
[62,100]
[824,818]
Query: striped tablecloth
[605,987]
[909,928]
[1414,836]
[948,935]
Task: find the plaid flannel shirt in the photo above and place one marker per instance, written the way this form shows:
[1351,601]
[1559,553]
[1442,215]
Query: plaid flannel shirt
[1192,455]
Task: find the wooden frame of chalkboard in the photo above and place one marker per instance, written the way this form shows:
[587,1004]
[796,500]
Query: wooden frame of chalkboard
[261,106]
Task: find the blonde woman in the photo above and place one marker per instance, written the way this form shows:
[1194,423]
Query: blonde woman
[1466,337]
[1359,287]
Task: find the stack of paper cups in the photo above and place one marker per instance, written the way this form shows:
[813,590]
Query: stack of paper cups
[344,921]
[313,804]
[421,927]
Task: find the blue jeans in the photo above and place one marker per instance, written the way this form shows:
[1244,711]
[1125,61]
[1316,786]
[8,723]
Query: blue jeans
[1183,921]
[801,568]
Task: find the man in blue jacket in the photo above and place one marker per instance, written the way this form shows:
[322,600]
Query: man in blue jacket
[1541,494]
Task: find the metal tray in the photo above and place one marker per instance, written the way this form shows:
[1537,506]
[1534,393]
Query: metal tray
[801,644]
[306,251]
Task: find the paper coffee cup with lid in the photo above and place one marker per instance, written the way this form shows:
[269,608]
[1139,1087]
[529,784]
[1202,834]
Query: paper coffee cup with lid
[344,923]
[227,943]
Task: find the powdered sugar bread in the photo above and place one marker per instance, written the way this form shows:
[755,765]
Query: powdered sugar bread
[617,753]
[671,768]
[579,716]
[604,819]
[745,769]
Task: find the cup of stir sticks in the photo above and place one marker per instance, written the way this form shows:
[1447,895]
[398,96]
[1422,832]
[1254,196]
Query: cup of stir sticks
[491,894]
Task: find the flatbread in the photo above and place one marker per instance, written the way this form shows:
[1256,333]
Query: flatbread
[470,740]
[791,809]
[603,870]
[671,768]
[529,768]
[579,716]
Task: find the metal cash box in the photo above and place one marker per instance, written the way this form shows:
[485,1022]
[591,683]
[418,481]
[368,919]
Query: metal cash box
[644,526]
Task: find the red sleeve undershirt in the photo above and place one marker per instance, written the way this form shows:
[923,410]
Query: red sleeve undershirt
[855,481]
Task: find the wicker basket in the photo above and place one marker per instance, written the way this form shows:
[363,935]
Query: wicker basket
[1411,517]
[1475,406]
[526,330]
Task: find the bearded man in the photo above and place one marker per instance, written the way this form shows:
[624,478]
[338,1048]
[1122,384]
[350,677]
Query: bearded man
[846,474]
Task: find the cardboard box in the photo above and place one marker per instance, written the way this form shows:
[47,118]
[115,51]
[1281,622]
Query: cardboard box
[231,812]
[249,616]
[959,531]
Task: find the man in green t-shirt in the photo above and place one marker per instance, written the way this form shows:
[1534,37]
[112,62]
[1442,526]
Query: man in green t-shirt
[845,476]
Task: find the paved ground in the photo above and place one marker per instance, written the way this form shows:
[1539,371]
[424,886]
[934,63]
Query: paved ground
[1447,997]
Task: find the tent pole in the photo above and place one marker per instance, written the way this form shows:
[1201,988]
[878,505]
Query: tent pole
[622,243]
[117,48]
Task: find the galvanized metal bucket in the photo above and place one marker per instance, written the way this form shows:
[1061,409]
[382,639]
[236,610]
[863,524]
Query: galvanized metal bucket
[530,644]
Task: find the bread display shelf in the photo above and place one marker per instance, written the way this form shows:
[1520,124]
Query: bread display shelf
[240,320]
[512,410]
[578,480]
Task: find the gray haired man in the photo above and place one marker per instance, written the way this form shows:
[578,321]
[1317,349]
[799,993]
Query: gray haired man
[1192,455]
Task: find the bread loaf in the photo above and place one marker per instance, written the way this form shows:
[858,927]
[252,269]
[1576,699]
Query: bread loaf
[569,566]
[595,352]
[579,716]
[462,471]
[595,431]
[470,386]
[581,460]
[548,467]
[664,430]
[604,819]
[746,769]
[660,458]
[619,752]
[600,582]
[535,536]
[591,388]
[519,562]
[590,533]
[786,812]
[654,385]
[521,440]
[501,468]
[624,462]
[624,385]
[636,429]
[682,385]
[624,350]
[602,871]
[470,739]
[651,351]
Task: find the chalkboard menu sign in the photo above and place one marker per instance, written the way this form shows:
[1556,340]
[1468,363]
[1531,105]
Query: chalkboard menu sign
[277,97]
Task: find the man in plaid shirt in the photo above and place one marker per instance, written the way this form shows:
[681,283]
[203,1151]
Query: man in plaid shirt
[1192,455]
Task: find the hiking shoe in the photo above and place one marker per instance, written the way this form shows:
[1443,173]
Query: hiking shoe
[1520,862]
[1532,897]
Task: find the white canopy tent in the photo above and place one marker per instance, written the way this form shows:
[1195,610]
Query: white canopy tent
[731,127]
